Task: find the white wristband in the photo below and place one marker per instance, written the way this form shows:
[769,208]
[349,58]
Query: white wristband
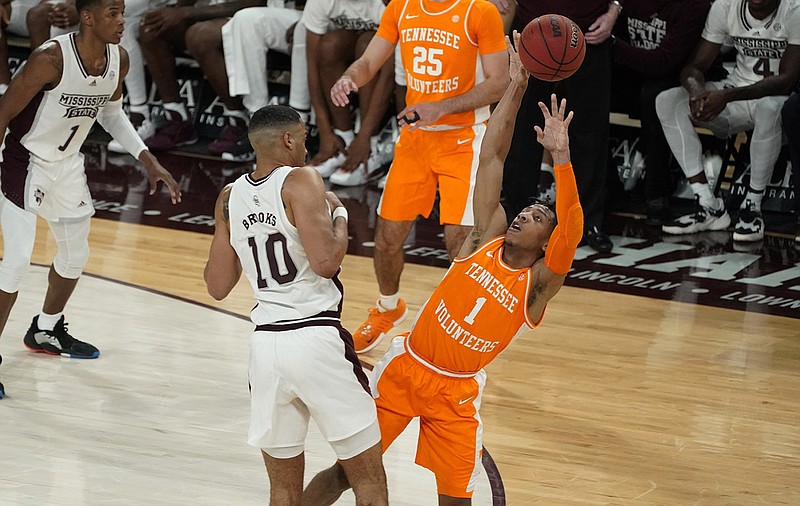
[340,211]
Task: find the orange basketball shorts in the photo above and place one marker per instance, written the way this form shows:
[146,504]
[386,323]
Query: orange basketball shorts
[450,428]
[426,160]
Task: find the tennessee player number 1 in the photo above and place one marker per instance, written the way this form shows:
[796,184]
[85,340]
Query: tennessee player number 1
[472,314]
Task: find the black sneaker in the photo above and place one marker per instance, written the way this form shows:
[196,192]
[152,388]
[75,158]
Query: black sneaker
[704,218]
[242,151]
[597,240]
[750,225]
[57,341]
[658,212]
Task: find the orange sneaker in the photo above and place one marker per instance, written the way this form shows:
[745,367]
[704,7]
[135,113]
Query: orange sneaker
[378,324]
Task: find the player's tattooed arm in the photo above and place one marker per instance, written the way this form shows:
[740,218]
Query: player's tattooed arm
[226,211]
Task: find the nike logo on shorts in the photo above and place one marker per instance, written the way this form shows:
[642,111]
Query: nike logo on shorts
[464,401]
[462,141]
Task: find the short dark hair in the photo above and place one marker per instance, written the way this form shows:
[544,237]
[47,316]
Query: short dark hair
[273,117]
[85,5]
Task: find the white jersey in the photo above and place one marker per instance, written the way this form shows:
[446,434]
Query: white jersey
[759,43]
[323,16]
[55,123]
[287,290]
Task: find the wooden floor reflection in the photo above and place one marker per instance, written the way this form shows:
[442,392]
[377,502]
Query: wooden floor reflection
[616,399]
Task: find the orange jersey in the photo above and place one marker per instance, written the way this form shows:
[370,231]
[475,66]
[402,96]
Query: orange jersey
[440,46]
[476,311]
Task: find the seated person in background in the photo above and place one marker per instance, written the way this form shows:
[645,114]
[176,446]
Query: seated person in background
[766,36]
[33,19]
[47,19]
[791,127]
[42,20]
[233,56]
[337,33]
[163,34]
[653,40]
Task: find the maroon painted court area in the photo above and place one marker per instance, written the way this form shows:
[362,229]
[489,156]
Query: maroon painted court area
[707,268]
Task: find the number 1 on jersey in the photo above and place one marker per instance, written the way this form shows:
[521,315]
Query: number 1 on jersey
[472,314]
[72,133]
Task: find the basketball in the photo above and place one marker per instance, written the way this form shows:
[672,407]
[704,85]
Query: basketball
[551,47]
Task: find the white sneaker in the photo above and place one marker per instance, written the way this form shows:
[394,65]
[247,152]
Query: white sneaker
[381,153]
[382,181]
[704,218]
[750,225]
[330,165]
[145,130]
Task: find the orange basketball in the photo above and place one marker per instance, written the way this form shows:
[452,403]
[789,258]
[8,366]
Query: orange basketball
[551,47]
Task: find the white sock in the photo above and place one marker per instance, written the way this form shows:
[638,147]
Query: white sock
[707,198]
[754,197]
[142,109]
[48,321]
[241,114]
[346,135]
[177,107]
[388,302]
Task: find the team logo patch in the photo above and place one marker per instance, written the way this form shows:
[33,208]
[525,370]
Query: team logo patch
[38,196]
[256,201]
[455,18]
[111,75]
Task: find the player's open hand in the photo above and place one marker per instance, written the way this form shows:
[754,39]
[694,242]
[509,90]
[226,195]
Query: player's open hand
[555,136]
[341,89]
[156,172]
[516,71]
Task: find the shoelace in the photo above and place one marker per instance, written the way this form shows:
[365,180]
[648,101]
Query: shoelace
[62,334]
[381,323]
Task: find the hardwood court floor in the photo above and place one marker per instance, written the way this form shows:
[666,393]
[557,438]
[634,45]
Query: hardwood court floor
[616,399]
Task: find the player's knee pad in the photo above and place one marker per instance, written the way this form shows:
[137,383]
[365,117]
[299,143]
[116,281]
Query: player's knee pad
[19,233]
[13,269]
[668,100]
[73,248]
[768,109]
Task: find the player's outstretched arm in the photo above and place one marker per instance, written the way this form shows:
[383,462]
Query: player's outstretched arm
[362,70]
[549,275]
[223,268]
[486,201]
[114,120]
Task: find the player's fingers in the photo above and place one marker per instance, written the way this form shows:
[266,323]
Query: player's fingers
[569,119]
[562,108]
[539,133]
[554,104]
[544,110]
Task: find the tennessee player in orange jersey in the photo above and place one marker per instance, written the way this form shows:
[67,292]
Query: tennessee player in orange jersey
[495,290]
[455,67]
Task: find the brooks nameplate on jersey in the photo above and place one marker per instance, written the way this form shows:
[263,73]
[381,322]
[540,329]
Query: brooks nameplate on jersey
[273,258]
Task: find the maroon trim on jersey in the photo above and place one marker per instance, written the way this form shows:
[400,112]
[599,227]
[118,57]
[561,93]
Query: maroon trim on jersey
[352,357]
[338,283]
[80,63]
[16,157]
[324,319]
[344,335]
